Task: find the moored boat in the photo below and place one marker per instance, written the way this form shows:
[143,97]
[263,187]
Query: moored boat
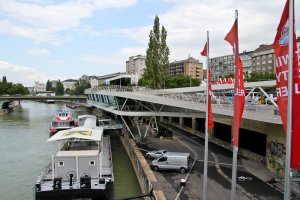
[82,168]
[62,120]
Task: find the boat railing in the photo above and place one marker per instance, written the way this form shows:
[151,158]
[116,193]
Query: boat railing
[46,173]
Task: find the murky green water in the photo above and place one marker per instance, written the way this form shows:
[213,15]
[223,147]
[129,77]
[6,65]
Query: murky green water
[24,152]
[126,183]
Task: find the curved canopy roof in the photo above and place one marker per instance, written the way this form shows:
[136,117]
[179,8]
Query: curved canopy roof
[78,133]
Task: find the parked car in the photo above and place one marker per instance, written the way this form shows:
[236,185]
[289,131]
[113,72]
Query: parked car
[173,161]
[155,153]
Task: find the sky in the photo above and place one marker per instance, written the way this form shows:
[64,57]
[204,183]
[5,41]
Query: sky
[44,40]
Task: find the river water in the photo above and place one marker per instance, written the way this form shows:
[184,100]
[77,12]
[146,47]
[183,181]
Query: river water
[24,152]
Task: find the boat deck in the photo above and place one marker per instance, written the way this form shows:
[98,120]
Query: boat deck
[106,170]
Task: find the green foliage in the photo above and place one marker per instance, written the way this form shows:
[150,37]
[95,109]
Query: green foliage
[59,88]
[4,80]
[80,86]
[48,86]
[11,88]
[231,75]
[180,81]
[264,76]
[157,57]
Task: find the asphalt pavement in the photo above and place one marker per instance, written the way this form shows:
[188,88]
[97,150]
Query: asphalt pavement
[253,186]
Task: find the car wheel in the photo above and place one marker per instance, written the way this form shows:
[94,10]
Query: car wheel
[148,156]
[155,168]
[182,170]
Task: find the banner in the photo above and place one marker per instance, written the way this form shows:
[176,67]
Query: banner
[281,46]
[209,92]
[239,90]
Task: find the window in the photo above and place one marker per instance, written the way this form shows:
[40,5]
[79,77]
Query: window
[263,62]
[61,163]
[270,61]
[258,63]
[92,163]
[270,67]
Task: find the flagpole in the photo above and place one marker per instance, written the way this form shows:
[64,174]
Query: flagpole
[206,122]
[287,179]
[235,148]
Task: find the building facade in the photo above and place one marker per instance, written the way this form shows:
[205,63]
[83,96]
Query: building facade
[246,58]
[298,48]
[263,59]
[39,87]
[69,84]
[189,67]
[221,67]
[136,65]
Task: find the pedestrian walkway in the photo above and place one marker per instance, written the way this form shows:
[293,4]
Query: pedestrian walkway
[260,171]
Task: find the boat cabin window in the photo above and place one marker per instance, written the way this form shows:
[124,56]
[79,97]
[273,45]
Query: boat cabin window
[61,163]
[92,162]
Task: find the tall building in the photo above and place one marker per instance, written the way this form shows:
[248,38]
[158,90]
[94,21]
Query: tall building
[263,59]
[298,48]
[189,67]
[136,65]
[246,58]
[221,66]
[69,84]
[39,87]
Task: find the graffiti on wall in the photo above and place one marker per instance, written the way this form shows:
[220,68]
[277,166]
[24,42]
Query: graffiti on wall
[276,157]
[275,149]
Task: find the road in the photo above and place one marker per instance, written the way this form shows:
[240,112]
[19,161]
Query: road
[219,172]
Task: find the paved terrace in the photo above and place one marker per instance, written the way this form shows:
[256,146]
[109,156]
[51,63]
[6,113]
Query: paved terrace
[185,102]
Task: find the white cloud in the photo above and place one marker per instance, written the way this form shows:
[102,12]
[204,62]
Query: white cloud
[42,22]
[188,21]
[37,52]
[21,74]
[114,61]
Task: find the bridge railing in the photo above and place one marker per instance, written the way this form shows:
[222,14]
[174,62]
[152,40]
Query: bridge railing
[220,102]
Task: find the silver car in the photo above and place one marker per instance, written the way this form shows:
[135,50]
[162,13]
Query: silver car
[155,153]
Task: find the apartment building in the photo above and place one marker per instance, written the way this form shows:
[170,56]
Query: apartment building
[246,58]
[189,67]
[136,65]
[221,66]
[298,48]
[263,59]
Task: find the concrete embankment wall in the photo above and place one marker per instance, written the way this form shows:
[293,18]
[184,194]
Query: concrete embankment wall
[142,170]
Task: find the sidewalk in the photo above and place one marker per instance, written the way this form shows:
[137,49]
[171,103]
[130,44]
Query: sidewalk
[260,171]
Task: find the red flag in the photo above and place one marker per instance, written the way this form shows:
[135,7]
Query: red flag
[280,46]
[239,90]
[209,108]
[204,52]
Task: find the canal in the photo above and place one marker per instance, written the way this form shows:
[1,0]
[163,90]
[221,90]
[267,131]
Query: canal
[24,152]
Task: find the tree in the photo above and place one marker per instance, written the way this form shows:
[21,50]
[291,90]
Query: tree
[4,80]
[157,57]
[48,86]
[12,89]
[59,88]
[180,81]
[80,87]
[262,76]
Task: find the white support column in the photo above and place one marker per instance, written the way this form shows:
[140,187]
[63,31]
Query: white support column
[127,127]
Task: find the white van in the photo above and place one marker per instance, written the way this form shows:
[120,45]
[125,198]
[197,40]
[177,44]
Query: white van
[172,161]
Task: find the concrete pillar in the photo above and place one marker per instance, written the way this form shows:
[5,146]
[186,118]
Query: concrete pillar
[170,120]
[194,121]
[181,122]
